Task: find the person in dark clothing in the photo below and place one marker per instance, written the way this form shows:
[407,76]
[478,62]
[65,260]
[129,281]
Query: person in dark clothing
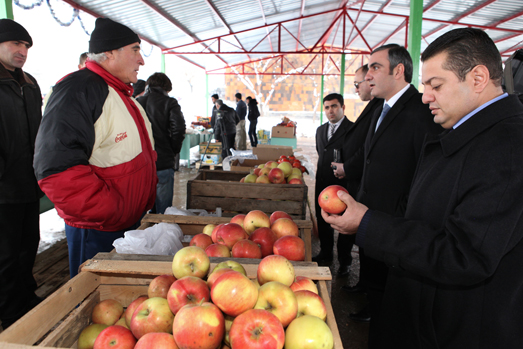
[241,110]
[254,113]
[214,98]
[20,116]
[224,121]
[139,88]
[168,126]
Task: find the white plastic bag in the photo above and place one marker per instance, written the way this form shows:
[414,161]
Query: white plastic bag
[160,239]
[192,212]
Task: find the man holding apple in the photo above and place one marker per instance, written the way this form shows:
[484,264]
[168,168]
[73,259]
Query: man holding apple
[455,258]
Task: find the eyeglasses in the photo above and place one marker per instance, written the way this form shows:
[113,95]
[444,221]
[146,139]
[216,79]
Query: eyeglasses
[357,84]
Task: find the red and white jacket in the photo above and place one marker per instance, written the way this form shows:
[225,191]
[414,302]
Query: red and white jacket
[94,155]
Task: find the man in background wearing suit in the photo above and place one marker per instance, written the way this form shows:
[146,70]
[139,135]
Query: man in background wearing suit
[392,149]
[330,137]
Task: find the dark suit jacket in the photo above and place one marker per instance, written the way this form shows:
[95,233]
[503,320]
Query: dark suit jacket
[353,147]
[325,149]
[392,153]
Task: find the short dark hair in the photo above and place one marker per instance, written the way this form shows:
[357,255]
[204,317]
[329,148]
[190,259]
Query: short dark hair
[398,55]
[83,58]
[215,96]
[467,48]
[249,98]
[333,96]
[138,87]
[364,69]
[219,102]
[160,80]
[238,95]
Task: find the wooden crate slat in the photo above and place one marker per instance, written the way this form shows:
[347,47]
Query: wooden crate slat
[247,190]
[124,294]
[242,205]
[42,318]
[330,320]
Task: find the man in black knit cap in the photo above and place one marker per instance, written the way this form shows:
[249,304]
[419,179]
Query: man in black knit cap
[20,116]
[95,155]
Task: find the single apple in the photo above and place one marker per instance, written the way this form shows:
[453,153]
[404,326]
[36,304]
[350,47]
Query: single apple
[246,249]
[238,219]
[257,329]
[153,315]
[234,293]
[278,299]
[217,250]
[160,285]
[214,231]
[201,240]
[256,171]
[156,340]
[286,167]
[229,234]
[199,326]
[89,334]
[265,238]
[277,176]
[256,219]
[250,178]
[293,176]
[207,230]
[275,268]
[191,261]
[329,201]
[271,164]
[131,308]
[309,303]
[284,227]
[107,312]
[304,283]
[265,171]
[297,172]
[230,265]
[290,247]
[295,181]
[115,337]
[263,179]
[187,290]
[215,275]
[278,214]
[260,166]
[308,332]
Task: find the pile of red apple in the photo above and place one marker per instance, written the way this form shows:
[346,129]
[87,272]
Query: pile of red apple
[285,170]
[254,235]
[227,310]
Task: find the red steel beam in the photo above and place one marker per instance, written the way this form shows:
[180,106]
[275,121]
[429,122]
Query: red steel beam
[328,32]
[302,9]
[381,9]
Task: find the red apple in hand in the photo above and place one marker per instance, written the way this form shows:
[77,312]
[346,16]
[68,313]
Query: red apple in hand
[201,240]
[265,238]
[229,234]
[156,340]
[278,214]
[257,329]
[290,247]
[187,290]
[160,286]
[107,312]
[217,250]
[285,226]
[199,326]
[234,293]
[246,249]
[115,337]
[329,201]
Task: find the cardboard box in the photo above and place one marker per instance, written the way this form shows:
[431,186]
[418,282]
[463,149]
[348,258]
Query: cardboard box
[264,141]
[283,132]
[271,152]
[211,159]
[214,148]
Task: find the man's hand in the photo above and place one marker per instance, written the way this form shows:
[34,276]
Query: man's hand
[339,172]
[349,222]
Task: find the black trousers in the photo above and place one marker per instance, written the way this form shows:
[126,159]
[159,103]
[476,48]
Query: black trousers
[227,143]
[326,235]
[252,132]
[19,238]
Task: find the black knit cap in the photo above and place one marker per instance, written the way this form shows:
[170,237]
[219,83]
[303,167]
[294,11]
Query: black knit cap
[12,31]
[109,35]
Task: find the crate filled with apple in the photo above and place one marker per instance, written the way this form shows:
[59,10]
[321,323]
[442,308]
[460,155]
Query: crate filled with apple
[277,172]
[185,301]
[250,165]
[212,189]
[251,235]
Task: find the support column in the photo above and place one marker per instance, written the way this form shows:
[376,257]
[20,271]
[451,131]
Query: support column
[207,97]
[342,74]
[6,9]
[414,39]
[321,101]
[162,64]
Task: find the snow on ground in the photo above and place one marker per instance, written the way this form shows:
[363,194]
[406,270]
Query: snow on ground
[52,229]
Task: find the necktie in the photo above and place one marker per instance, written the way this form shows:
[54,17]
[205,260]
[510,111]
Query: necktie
[384,112]
[332,129]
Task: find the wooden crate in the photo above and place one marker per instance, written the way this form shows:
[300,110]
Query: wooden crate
[59,319]
[192,225]
[211,189]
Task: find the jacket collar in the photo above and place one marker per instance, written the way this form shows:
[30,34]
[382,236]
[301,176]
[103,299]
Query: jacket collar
[453,140]
[22,78]
[109,78]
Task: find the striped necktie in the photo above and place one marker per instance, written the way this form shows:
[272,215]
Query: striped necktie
[332,129]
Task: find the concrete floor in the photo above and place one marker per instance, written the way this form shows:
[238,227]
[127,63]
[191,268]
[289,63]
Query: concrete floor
[353,335]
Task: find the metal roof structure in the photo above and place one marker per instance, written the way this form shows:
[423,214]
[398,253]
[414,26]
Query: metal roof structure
[217,34]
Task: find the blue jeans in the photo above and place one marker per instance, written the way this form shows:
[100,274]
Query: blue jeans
[84,244]
[164,190]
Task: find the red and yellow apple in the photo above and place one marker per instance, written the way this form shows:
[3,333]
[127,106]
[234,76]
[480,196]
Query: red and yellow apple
[153,315]
[191,261]
[115,337]
[286,167]
[304,283]
[199,326]
[234,293]
[187,290]
[277,176]
[308,331]
[278,214]
[238,219]
[156,340]
[290,247]
[257,329]
[229,234]
[131,308]
[89,334]
[310,303]
[107,312]
[279,300]
[263,179]
[246,249]
[207,230]
[201,240]
[256,219]
[217,250]
[160,285]
[284,227]
[275,268]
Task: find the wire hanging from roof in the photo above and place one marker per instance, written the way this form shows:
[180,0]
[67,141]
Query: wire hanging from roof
[28,7]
